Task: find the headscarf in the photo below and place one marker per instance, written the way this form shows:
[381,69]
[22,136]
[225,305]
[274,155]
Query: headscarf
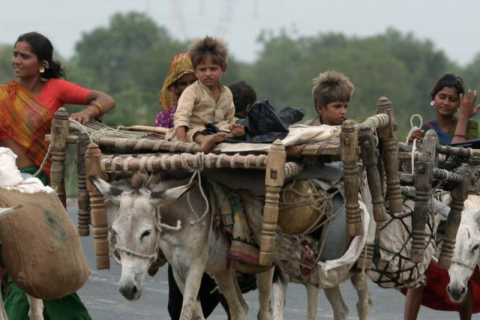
[180,66]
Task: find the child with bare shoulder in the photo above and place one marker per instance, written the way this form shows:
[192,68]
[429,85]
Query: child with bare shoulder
[206,100]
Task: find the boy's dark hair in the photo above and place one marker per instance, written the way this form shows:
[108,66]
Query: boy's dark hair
[208,47]
[331,86]
[243,95]
[448,80]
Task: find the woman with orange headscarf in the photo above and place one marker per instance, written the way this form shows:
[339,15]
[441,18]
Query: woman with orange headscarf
[180,75]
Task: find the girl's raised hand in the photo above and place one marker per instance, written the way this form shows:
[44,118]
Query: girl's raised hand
[467,103]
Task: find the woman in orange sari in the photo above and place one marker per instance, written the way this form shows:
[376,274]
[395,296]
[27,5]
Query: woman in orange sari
[27,107]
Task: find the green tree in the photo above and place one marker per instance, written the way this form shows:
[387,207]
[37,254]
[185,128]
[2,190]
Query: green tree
[129,60]
[391,64]
[6,72]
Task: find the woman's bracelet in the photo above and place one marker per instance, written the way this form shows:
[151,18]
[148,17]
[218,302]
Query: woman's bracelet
[98,106]
[95,113]
[460,136]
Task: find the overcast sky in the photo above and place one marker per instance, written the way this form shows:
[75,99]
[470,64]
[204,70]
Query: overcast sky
[452,25]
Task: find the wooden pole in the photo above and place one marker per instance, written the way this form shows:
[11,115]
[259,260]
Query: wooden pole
[348,145]
[58,149]
[172,161]
[423,185]
[83,198]
[93,158]
[274,178]
[429,145]
[389,148]
[366,257]
[369,159]
[459,194]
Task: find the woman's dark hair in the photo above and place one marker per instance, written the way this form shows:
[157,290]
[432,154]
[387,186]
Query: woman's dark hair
[243,95]
[448,80]
[43,49]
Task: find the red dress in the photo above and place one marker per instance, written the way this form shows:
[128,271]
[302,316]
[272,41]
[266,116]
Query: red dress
[435,294]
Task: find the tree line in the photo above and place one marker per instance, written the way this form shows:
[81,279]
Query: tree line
[129,60]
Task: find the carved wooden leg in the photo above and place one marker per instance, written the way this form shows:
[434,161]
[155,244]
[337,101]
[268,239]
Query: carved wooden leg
[348,146]
[275,175]
[459,194]
[369,159]
[83,198]
[93,158]
[389,147]
[423,185]
[366,257]
[60,130]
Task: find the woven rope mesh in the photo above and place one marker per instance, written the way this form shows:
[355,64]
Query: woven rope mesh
[97,130]
[392,267]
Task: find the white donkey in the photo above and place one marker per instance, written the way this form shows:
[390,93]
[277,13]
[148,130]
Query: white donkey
[183,230]
[466,255]
[36,305]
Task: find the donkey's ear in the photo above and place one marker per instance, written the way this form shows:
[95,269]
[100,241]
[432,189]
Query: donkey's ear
[108,191]
[169,195]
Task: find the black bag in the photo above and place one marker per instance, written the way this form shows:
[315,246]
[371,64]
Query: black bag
[263,125]
[290,115]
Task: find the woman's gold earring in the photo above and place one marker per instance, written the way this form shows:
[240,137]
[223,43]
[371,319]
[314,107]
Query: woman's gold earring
[41,69]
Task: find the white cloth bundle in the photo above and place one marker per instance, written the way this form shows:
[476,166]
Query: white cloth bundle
[11,178]
[299,134]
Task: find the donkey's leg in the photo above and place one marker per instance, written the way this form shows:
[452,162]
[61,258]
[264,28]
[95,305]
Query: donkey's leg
[228,286]
[36,308]
[360,282]
[189,286]
[312,298]
[280,285]
[340,309]
[264,284]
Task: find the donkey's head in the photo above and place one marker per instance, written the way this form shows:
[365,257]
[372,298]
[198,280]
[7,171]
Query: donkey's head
[465,256]
[135,232]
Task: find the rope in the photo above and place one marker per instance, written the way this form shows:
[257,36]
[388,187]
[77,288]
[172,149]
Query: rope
[151,256]
[75,124]
[470,266]
[412,130]
[197,173]
[47,155]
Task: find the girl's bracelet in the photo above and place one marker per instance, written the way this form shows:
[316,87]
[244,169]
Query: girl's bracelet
[461,136]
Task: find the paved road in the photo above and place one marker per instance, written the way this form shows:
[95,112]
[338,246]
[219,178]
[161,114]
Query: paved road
[104,302]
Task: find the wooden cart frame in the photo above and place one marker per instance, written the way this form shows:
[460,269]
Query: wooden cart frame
[356,142]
